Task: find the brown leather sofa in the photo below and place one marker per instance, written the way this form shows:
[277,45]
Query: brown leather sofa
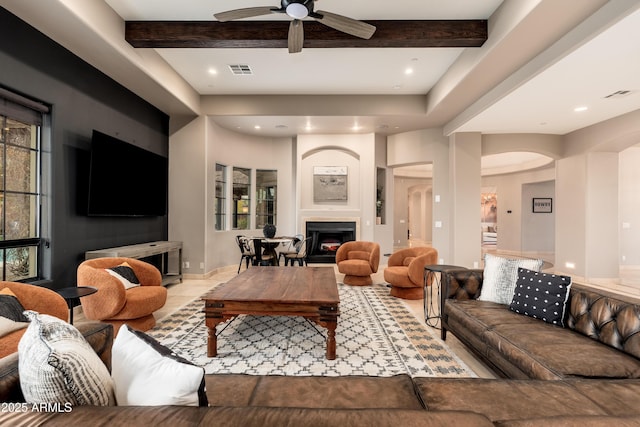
[601,338]
[349,401]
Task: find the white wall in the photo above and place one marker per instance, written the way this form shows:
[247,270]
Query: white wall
[194,151]
[514,195]
[357,152]
[629,197]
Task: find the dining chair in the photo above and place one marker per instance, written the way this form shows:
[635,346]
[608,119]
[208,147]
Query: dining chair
[291,248]
[246,252]
[300,255]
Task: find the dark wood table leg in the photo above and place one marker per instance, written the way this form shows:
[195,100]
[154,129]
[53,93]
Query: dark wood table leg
[212,342]
[331,340]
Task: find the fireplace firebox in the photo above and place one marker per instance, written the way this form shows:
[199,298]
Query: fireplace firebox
[326,238]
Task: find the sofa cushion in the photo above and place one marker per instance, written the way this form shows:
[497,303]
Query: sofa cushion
[549,352]
[348,392]
[498,399]
[147,373]
[500,275]
[57,365]
[541,296]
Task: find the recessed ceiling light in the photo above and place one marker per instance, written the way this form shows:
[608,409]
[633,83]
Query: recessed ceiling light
[408,71]
[580,109]
[213,71]
[257,127]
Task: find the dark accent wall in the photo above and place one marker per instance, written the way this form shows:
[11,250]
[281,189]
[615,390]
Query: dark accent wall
[82,99]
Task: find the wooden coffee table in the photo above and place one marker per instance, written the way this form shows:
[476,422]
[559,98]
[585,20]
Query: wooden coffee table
[310,292]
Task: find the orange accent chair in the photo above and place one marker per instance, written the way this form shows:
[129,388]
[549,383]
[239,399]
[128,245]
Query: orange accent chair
[113,303]
[358,260]
[405,271]
[36,298]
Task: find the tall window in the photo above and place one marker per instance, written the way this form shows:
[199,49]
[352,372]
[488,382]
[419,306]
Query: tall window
[266,197]
[19,190]
[221,196]
[241,199]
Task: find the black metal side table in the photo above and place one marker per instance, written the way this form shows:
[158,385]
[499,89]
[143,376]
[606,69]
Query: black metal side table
[73,292]
[432,309]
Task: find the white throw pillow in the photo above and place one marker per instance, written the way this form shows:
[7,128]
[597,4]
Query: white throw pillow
[500,276]
[146,373]
[7,326]
[57,365]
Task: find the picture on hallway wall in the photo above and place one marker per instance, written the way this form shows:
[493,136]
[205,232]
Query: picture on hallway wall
[330,184]
[542,205]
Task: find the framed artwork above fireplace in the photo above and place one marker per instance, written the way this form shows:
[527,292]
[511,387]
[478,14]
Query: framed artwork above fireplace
[330,184]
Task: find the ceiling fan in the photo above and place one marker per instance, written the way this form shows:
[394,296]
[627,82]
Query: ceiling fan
[298,10]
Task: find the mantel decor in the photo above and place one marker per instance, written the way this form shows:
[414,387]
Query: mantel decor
[542,205]
[330,183]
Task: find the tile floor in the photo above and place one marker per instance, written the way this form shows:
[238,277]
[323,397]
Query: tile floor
[180,294]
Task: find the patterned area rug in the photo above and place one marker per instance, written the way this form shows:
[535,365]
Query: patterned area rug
[377,335]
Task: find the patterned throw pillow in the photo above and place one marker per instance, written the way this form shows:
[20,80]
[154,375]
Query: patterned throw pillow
[57,365]
[125,274]
[146,373]
[500,275]
[541,296]
[11,308]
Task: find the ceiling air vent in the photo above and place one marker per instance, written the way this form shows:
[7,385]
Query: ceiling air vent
[618,94]
[240,70]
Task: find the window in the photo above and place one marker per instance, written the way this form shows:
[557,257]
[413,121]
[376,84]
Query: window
[241,200]
[266,192]
[221,197]
[20,136]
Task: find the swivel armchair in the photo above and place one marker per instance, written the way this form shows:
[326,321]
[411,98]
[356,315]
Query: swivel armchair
[358,260]
[115,304]
[405,271]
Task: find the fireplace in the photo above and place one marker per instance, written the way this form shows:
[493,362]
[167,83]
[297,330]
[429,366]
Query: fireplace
[326,238]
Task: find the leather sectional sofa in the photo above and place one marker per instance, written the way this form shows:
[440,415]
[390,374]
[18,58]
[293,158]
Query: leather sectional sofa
[600,339]
[350,401]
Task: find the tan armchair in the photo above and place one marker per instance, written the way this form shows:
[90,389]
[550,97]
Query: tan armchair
[113,303]
[405,271]
[36,298]
[358,261]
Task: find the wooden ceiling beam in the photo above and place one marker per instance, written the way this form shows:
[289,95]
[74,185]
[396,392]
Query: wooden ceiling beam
[273,34]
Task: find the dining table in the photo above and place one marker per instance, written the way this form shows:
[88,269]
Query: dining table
[265,249]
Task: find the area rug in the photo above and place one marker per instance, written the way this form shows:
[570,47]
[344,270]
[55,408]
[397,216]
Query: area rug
[377,335]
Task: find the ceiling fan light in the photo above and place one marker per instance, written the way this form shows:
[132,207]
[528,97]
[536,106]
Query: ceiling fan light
[297,11]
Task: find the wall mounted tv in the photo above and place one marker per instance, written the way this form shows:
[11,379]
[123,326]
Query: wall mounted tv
[125,180]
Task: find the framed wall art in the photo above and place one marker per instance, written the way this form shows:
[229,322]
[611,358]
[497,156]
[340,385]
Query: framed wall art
[330,184]
[542,205]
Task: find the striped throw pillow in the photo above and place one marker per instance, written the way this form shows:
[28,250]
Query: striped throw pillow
[57,365]
[500,276]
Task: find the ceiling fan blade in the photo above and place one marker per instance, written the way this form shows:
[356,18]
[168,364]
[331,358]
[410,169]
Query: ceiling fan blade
[346,25]
[248,12]
[296,36]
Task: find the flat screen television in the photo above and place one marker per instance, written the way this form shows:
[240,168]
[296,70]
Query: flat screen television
[125,180]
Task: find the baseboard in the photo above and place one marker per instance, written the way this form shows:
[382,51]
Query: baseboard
[208,274]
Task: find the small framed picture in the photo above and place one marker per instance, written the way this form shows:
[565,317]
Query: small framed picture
[542,205]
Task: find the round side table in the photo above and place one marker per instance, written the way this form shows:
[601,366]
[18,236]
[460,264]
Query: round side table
[73,292]
[432,309]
